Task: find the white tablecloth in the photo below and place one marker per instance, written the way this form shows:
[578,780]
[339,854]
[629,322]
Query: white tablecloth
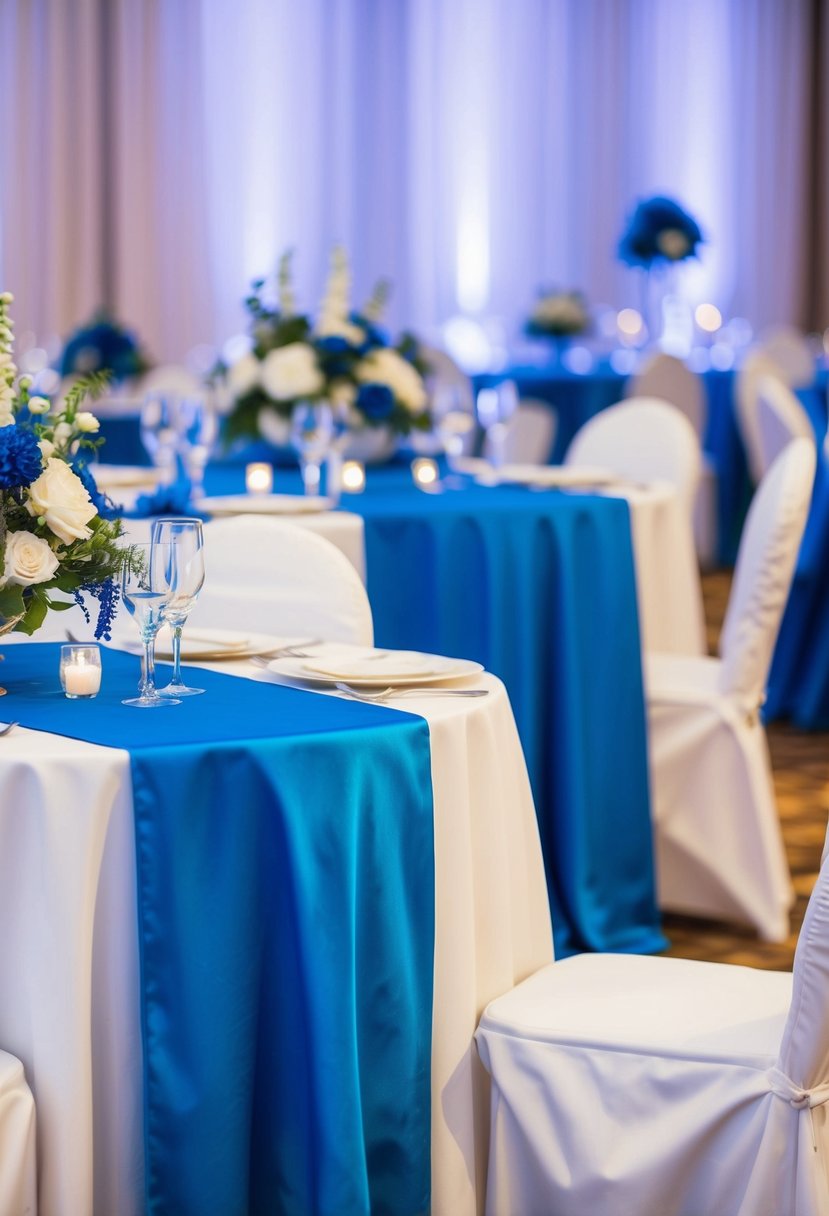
[671,614]
[69,968]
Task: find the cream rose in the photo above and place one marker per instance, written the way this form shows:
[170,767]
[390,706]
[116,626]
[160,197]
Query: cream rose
[387,367]
[38,405]
[243,375]
[29,560]
[291,372]
[59,497]
[86,423]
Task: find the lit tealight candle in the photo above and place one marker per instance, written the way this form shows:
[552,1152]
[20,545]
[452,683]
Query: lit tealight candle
[425,473]
[80,671]
[259,478]
[353,477]
[708,317]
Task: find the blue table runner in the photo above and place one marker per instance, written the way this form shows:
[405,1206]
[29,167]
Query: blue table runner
[286,915]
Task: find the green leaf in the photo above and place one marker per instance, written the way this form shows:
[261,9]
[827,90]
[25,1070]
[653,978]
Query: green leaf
[35,615]
[11,602]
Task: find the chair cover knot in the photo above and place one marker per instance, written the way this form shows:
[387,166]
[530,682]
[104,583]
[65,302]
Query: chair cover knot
[799,1098]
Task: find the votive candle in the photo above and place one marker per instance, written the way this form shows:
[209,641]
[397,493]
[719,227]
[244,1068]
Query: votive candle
[353,479]
[80,671]
[259,478]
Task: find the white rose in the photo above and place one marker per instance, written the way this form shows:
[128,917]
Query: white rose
[59,496]
[28,560]
[46,448]
[673,244]
[273,427]
[6,416]
[243,375]
[336,327]
[38,405]
[386,366]
[291,372]
[342,394]
[62,434]
[86,422]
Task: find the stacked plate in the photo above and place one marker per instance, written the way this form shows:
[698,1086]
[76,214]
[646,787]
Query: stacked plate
[362,667]
[209,645]
[266,504]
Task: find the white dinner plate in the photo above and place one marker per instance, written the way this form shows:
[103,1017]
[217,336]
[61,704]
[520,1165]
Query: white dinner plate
[124,476]
[366,674]
[555,475]
[212,645]
[265,504]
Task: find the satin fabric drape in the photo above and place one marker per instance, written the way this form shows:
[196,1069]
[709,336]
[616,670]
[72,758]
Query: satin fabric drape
[286,919]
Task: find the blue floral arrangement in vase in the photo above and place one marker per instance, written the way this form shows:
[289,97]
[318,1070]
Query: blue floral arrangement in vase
[103,346]
[659,233]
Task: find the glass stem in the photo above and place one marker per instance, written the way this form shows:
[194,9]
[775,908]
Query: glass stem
[176,655]
[311,477]
[148,667]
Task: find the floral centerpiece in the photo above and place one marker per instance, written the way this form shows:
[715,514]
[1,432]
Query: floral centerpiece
[659,231]
[53,540]
[559,314]
[103,346]
[342,357]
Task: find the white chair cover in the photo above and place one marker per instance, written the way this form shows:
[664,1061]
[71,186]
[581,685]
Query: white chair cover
[718,846]
[757,366]
[669,379]
[645,440]
[630,1086]
[529,435]
[18,1177]
[444,375]
[789,351]
[273,577]
[780,419]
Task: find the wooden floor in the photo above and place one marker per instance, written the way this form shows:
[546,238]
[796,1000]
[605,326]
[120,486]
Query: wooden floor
[800,761]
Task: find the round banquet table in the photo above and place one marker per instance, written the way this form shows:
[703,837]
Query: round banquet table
[73,997]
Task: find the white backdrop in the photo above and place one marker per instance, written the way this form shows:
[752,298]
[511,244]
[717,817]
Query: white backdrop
[470,150]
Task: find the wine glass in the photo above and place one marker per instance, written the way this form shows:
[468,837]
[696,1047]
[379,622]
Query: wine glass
[158,431]
[312,430]
[185,541]
[198,429]
[495,407]
[452,424]
[147,587]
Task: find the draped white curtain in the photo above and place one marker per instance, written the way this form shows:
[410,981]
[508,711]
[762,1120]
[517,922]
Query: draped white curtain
[469,150]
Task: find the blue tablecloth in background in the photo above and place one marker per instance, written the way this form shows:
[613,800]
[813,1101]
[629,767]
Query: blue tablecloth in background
[286,916]
[540,588]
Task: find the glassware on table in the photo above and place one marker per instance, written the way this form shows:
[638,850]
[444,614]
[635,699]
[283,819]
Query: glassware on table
[159,432]
[80,671]
[495,406]
[198,428]
[312,433]
[147,587]
[184,539]
[452,424]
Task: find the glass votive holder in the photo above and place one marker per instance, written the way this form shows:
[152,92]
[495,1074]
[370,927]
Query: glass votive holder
[353,477]
[259,478]
[425,473]
[80,671]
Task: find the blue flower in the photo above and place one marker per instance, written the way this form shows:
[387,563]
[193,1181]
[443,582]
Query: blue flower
[102,503]
[108,594]
[659,230]
[102,345]
[20,458]
[334,344]
[375,334]
[376,401]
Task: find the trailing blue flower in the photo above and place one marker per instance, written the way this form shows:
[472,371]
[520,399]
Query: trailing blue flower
[108,595]
[659,230]
[376,401]
[20,457]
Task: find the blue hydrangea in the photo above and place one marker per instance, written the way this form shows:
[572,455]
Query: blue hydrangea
[376,401]
[643,241]
[20,459]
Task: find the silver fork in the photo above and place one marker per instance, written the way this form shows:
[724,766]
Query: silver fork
[4,730]
[386,694]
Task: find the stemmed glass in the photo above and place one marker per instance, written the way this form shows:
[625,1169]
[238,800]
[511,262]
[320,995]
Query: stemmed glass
[158,432]
[198,429]
[147,587]
[312,431]
[452,424]
[184,540]
[495,407]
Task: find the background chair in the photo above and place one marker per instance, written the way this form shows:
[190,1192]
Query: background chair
[528,434]
[756,367]
[273,577]
[645,440]
[18,1177]
[780,419]
[789,350]
[634,1086]
[719,850]
[669,379]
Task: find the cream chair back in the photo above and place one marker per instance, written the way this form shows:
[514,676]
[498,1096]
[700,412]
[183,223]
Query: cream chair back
[530,433]
[780,419]
[645,440]
[789,351]
[669,379]
[764,571]
[757,366]
[804,1050]
[270,576]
